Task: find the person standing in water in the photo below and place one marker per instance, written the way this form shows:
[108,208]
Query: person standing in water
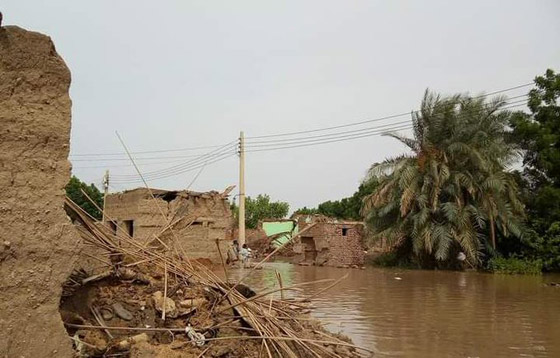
[245,256]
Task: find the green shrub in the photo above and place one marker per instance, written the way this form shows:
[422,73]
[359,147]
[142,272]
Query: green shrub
[514,265]
[392,259]
[547,247]
[384,260]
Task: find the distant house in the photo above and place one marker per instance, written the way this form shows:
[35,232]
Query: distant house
[196,220]
[330,242]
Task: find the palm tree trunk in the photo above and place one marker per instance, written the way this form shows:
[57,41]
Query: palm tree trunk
[492,232]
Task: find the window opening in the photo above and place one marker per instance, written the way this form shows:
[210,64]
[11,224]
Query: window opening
[129,225]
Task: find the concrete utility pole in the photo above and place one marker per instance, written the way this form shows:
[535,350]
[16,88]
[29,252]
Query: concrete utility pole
[241,189]
[105,190]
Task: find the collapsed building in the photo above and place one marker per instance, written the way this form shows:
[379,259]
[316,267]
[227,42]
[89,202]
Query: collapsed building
[326,241]
[329,242]
[198,221]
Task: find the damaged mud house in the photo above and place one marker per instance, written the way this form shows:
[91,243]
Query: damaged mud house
[198,219]
[324,241]
[148,301]
[330,242]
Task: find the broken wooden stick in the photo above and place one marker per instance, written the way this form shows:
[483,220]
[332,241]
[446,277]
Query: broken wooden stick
[164,291]
[279,278]
[99,276]
[222,259]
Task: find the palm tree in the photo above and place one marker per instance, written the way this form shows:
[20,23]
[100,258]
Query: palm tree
[453,187]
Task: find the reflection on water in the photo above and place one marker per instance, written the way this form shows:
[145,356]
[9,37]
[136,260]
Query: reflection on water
[431,313]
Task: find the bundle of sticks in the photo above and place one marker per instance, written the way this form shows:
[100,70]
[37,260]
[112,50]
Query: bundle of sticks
[279,324]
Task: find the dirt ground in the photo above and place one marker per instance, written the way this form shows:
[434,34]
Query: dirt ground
[193,305]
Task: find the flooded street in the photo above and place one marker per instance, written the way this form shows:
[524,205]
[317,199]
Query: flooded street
[432,313]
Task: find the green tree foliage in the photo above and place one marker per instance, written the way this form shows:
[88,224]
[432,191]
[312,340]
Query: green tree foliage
[261,208]
[306,211]
[538,135]
[346,208]
[74,191]
[452,192]
[542,246]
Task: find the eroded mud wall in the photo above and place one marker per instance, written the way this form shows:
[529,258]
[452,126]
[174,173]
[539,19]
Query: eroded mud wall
[199,219]
[38,243]
[335,243]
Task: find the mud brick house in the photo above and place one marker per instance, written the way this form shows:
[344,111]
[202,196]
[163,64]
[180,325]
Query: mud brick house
[330,242]
[197,219]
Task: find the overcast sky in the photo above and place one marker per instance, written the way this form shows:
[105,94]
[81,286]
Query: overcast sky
[182,74]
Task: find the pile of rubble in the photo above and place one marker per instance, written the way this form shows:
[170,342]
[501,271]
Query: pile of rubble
[152,301]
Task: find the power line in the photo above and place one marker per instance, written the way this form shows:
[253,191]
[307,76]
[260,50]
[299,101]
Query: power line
[218,155]
[352,137]
[348,132]
[505,90]
[166,174]
[334,136]
[253,143]
[186,165]
[223,152]
[85,155]
[340,135]
[186,170]
[224,149]
[375,119]
[137,180]
[136,159]
[303,142]
[332,140]
[256,143]
[146,151]
[126,165]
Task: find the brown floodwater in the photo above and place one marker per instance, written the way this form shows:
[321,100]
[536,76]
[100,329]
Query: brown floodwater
[412,313]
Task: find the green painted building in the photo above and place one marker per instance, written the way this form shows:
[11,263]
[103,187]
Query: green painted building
[280,231]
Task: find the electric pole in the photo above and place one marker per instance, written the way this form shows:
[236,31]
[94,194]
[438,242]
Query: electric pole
[105,191]
[241,189]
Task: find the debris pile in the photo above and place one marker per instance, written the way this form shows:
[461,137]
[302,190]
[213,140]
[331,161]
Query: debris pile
[153,301]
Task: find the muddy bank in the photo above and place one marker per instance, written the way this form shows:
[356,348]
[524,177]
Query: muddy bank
[118,302]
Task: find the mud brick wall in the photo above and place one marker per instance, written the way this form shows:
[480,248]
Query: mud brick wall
[38,244]
[199,219]
[345,250]
[332,247]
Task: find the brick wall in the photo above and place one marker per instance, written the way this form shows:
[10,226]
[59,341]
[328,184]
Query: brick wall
[345,249]
[336,243]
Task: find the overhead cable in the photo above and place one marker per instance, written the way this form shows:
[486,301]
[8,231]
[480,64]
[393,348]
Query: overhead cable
[227,148]
[375,119]
[346,138]
[147,151]
[138,180]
